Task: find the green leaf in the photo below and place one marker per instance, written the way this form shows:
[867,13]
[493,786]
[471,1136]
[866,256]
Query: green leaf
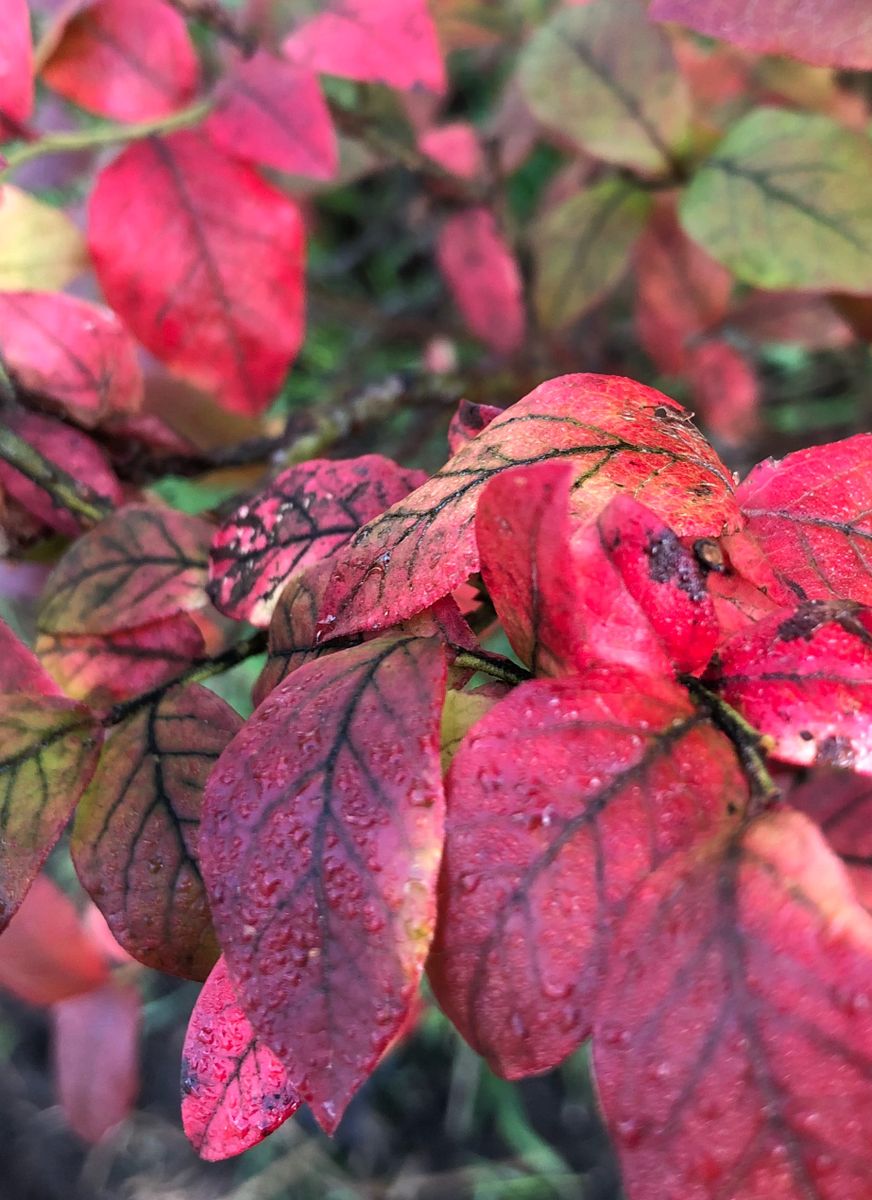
[582,247]
[786,202]
[605,78]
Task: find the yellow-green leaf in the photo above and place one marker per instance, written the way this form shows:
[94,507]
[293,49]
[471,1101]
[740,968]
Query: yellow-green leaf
[40,247]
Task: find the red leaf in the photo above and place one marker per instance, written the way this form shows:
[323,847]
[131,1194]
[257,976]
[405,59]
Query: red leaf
[733,1036]
[273,113]
[22,670]
[234,1090]
[77,354]
[455,147]
[618,434]
[831,33]
[134,842]
[320,845]
[812,515]
[219,295]
[469,420]
[127,59]
[96,1051]
[739,581]
[560,801]
[16,68]
[840,803]
[45,954]
[305,514]
[483,276]
[804,677]
[726,391]
[73,451]
[139,565]
[374,41]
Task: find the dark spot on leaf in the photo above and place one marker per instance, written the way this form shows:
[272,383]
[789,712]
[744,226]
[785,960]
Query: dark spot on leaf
[809,617]
[836,752]
[806,735]
[709,555]
[669,564]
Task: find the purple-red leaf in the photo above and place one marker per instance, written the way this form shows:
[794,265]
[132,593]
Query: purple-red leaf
[468,422]
[320,846]
[219,295]
[560,801]
[21,670]
[234,1090]
[483,276]
[16,68]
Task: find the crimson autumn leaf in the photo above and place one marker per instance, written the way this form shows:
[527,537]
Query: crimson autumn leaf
[483,276]
[218,297]
[134,841]
[374,41]
[305,514]
[22,671]
[127,59]
[76,354]
[234,1090]
[840,803]
[739,581]
[320,846]
[469,420]
[619,436]
[803,677]
[733,1037]
[273,113]
[560,801]
[812,515]
[16,68]
[139,565]
[48,751]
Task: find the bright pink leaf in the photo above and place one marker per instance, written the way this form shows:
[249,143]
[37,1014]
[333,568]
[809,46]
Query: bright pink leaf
[320,846]
[830,33]
[803,677]
[726,391]
[469,420]
[16,68]
[21,670]
[76,354]
[455,147]
[374,41]
[96,1052]
[812,516]
[234,1090]
[305,514]
[219,295]
[273,113]
[619,436]
[127,59]
[483,276]
[840,803]
[560,801]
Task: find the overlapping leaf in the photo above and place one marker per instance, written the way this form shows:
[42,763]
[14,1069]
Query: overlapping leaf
[40,247]
[320,845]
[739,581]
[134,841]
[734,1034]
[139,565]
[21,670]
[560,801]
[840,803]
[234,1089]
[16,68]
[619,436]
[812,516]
[469,420]
[127,59]
[804,678]
[219,295]
[305,514]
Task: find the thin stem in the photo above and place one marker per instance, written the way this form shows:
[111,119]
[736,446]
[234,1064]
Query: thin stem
[492,664]
[65,491]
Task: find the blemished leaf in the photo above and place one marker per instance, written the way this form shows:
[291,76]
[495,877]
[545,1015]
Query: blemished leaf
[803,677]
[96,1056]
[134,841]
[726,391]
[78,355]
[811,514]
[48,751]
[105,668]
[234,1090]
[68,448]
[305,514]
[582,248]
[831,33]
[424,547]
[40,247]
[126,59]
[139,565]
[733,1037]
[560,801]
[468,422]
[840,804]
[21,670]
[374,41]
[320,845]
[45,953]
[605,78]
[16,67]
[783,203]
[218,297]
[482,274]
[273,113]
[740,581]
